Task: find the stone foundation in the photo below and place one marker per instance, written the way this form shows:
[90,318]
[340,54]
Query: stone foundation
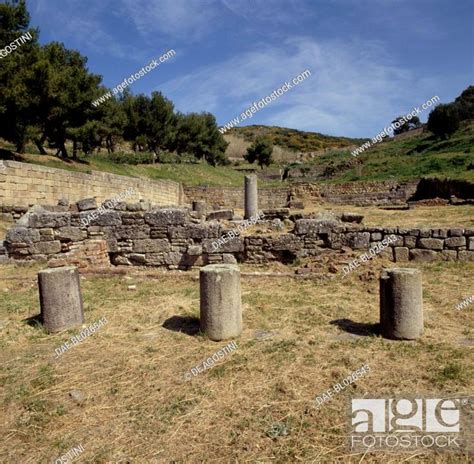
[177,239]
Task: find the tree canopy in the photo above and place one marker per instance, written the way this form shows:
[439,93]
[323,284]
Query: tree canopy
[47,94]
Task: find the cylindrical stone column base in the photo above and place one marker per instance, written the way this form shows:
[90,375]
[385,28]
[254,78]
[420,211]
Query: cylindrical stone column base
[221,308]
[251,196]
[401,303]
[60,298]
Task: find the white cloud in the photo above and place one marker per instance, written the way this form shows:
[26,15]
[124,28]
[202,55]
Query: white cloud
[353,88]
[183,19]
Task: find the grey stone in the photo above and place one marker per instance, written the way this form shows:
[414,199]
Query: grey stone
[456,232]
[234,245]
[431,243]
[167,217]
[151,246]
[77,396]
[423,256]
[73,234]
[448,255]
[55,220]
[401,254]
[375,236]
[22,235]
[455,242]
[357,240]
[401,304]
[439,233]
[220,214]
[465,255]
[86,204]
[60,298]
[470,245]
[194,250]
[425,233]
[131,232]
[46,248]
[110,218]
[410,241]
[228,258]
[220,301]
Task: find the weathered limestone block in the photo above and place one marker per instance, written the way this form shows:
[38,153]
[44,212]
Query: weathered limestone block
[395,240]
[110,218]
[220,295]
[470,245]
[439,233]
[357,240]
[425,233]
[465,255]
[22,235]
[60,298]
[448,255]
[376,237]
[401,254]
[455,242]
[285,242]
[235,245]
[55,220]
[131,232]
[151,246]
[194,250]
[431,243]
[410,241]
[73,234]
[46,248]
[86,204]
[167,217]
[173,258]
[423,256]
[220,215]
[133,219]
[401,303]
[455,232]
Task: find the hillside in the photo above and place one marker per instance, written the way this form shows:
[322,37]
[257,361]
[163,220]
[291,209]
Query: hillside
[404,158]
[295,140]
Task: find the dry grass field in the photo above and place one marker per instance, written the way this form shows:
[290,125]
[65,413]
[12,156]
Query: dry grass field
[121,393]
[256,405]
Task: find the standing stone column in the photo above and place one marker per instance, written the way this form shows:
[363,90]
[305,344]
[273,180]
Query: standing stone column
[200,207]
[401,303]
[251,196]
[60,298]
[221,309]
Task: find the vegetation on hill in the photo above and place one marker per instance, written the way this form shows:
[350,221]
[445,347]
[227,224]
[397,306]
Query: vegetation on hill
[293,139]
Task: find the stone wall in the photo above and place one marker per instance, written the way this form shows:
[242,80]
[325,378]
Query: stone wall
[233,197]
[352,193]
[24,184]
[177,239]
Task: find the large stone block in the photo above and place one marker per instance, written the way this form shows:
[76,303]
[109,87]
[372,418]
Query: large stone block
[55,220]
[401,254]
[220,215]
[131,232]
[231,245]
[431,243]
[465,255]
[73,234]
[455,242]
[423,256]
[86,204]
[22,235]
[357,240]
[167,217]
[151,246]
[46,248]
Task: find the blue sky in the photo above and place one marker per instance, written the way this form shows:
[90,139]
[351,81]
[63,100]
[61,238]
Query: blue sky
[370,60]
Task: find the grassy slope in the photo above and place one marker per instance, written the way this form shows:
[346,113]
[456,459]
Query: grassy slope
[403,159]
